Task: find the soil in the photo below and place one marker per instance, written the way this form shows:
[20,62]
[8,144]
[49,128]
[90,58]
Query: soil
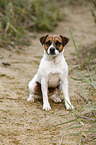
[25,123]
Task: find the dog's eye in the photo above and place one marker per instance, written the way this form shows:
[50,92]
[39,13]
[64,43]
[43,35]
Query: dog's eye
[48,43]
[58,43]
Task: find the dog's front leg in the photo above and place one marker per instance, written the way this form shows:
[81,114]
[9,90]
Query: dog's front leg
[44,87]
[64,84]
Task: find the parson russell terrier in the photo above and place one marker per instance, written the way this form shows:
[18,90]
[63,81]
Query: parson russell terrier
[52,73]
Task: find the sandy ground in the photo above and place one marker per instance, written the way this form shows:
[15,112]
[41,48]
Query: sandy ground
[25,123]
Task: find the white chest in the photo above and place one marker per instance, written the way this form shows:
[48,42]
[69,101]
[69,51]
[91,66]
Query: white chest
[53,79]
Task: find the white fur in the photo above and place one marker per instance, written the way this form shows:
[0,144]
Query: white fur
[52,71]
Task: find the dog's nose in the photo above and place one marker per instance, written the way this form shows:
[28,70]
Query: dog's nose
[52,50]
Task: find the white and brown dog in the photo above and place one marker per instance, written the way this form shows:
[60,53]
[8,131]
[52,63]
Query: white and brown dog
[52,73]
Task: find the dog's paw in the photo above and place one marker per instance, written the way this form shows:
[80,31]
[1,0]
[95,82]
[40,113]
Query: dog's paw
[46,107]
[30,99]
[55,98]
[69,106]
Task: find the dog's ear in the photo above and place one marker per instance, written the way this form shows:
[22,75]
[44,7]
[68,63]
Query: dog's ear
[65,40]
[43,38]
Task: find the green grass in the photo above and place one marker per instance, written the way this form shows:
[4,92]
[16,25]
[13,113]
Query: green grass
[85,116]
[88,95]
[77,51]
[32,15]
[84,119]
[93,10]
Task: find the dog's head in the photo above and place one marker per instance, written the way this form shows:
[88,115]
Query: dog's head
[53,44]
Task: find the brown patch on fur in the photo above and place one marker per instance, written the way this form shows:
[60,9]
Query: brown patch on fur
[49,38]
[50,90]
[38,89]
[58,38]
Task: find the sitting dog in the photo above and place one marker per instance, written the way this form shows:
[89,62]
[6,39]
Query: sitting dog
[52,73]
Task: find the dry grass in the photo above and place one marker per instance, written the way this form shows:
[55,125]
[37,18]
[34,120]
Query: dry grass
[20,15]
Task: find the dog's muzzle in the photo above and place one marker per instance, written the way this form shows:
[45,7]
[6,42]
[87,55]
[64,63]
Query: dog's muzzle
[52,50]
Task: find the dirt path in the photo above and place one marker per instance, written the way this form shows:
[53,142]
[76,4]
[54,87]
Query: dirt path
[24,123]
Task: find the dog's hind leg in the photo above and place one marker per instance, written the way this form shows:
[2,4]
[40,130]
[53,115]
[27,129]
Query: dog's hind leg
[34,90]
[31,87]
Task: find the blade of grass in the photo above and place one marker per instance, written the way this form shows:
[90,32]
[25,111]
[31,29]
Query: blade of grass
[91,108]
[85,79]
[87,118]
[70,69]
[64,114]
[65,122]
[80,142]
[91,93]
[91,79]
[60,140]
[77,79]
[87,101]
[90,140]
[89,62]
[82,97]
[74,44]
[82,107]
[75,126]
[77,133]
[76,48]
